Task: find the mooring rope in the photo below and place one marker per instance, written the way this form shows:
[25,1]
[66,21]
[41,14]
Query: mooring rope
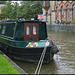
[37,71]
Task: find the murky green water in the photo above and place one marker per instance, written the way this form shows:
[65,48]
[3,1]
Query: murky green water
[63,62]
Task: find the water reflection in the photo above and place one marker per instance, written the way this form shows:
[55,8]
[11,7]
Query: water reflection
[63,62]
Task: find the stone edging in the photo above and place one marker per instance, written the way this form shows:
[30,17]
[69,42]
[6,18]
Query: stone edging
[61,28]
[13,64]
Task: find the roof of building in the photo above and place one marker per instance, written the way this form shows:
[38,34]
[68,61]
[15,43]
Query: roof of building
[2,5]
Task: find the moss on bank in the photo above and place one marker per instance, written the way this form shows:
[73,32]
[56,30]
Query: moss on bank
[5,67]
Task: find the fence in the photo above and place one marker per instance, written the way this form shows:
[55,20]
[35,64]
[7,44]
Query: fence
[61,23]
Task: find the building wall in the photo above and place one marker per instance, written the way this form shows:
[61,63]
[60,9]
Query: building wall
[61,28]
[52,9]
[51,18]
[52,4]
[0,10]
[65,4]
[1,6]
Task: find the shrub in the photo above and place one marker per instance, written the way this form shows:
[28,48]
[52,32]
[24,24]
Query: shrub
[74,21]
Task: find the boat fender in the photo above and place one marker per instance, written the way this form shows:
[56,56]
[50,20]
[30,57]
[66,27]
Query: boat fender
[54,49]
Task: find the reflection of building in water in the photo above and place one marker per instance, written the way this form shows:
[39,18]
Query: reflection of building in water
[58,11]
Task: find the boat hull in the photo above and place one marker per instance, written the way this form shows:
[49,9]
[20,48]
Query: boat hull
[27,54]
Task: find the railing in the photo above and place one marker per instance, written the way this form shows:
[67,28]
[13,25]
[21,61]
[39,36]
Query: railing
[60,23]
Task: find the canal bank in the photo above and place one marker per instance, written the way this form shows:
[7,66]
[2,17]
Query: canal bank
[62,28]
[8,66]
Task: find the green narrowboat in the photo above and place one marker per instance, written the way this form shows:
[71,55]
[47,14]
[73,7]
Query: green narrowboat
[25,40]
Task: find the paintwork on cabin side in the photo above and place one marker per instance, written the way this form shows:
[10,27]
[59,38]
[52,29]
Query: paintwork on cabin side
[19,35]
[15,30]
[42,31]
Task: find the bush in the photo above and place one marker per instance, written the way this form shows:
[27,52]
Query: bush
[74,21]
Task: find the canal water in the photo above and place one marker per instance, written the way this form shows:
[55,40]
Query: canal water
[63,62]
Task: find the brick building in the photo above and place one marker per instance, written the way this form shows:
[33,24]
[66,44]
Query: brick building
[58,11]
[1,6]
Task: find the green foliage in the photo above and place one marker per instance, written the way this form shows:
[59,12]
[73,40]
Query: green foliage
[72,32]
[2,2]
[74,21]
[31,9]
[5,67]
[2,16]
[28,10]
[10,11]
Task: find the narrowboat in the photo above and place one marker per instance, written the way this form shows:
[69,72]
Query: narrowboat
[25,40]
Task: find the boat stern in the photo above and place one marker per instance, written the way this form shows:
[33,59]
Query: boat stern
[54,47]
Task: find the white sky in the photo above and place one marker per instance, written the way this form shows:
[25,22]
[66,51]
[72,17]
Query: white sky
[17,2]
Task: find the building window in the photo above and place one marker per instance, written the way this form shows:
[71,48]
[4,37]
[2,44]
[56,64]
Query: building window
[46,16]
[47,3]
[62,13]
[68,13]
[56,13]
[73,11]
[44,3]
[56,2]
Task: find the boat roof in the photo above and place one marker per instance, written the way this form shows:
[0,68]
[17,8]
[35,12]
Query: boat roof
[14,20]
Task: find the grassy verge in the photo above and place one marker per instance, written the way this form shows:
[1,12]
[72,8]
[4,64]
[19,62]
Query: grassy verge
[5,67]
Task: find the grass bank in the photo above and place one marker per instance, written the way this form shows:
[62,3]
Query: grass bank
[5,67]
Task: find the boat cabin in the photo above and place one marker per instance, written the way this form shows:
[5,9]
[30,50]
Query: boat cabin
[23,30]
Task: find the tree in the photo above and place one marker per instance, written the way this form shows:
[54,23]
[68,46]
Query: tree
[15,10]
[28,10]
[2,2]
[73,21]
[31,9]
[6,10]
[10,11]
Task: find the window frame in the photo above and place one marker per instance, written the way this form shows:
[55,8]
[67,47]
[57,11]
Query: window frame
[68,13]
[46,16]
[56,2]
[34,31]
[74,11]
[3,30]
[27,32]
[62,12]
[57,15]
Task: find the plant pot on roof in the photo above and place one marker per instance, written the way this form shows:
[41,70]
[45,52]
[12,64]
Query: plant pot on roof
[57,21]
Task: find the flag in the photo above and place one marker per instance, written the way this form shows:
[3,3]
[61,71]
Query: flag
[40,17]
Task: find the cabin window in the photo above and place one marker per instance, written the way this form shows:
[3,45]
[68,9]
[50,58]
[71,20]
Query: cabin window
[34,30]
[28,30]
[0,26]
[3,30]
